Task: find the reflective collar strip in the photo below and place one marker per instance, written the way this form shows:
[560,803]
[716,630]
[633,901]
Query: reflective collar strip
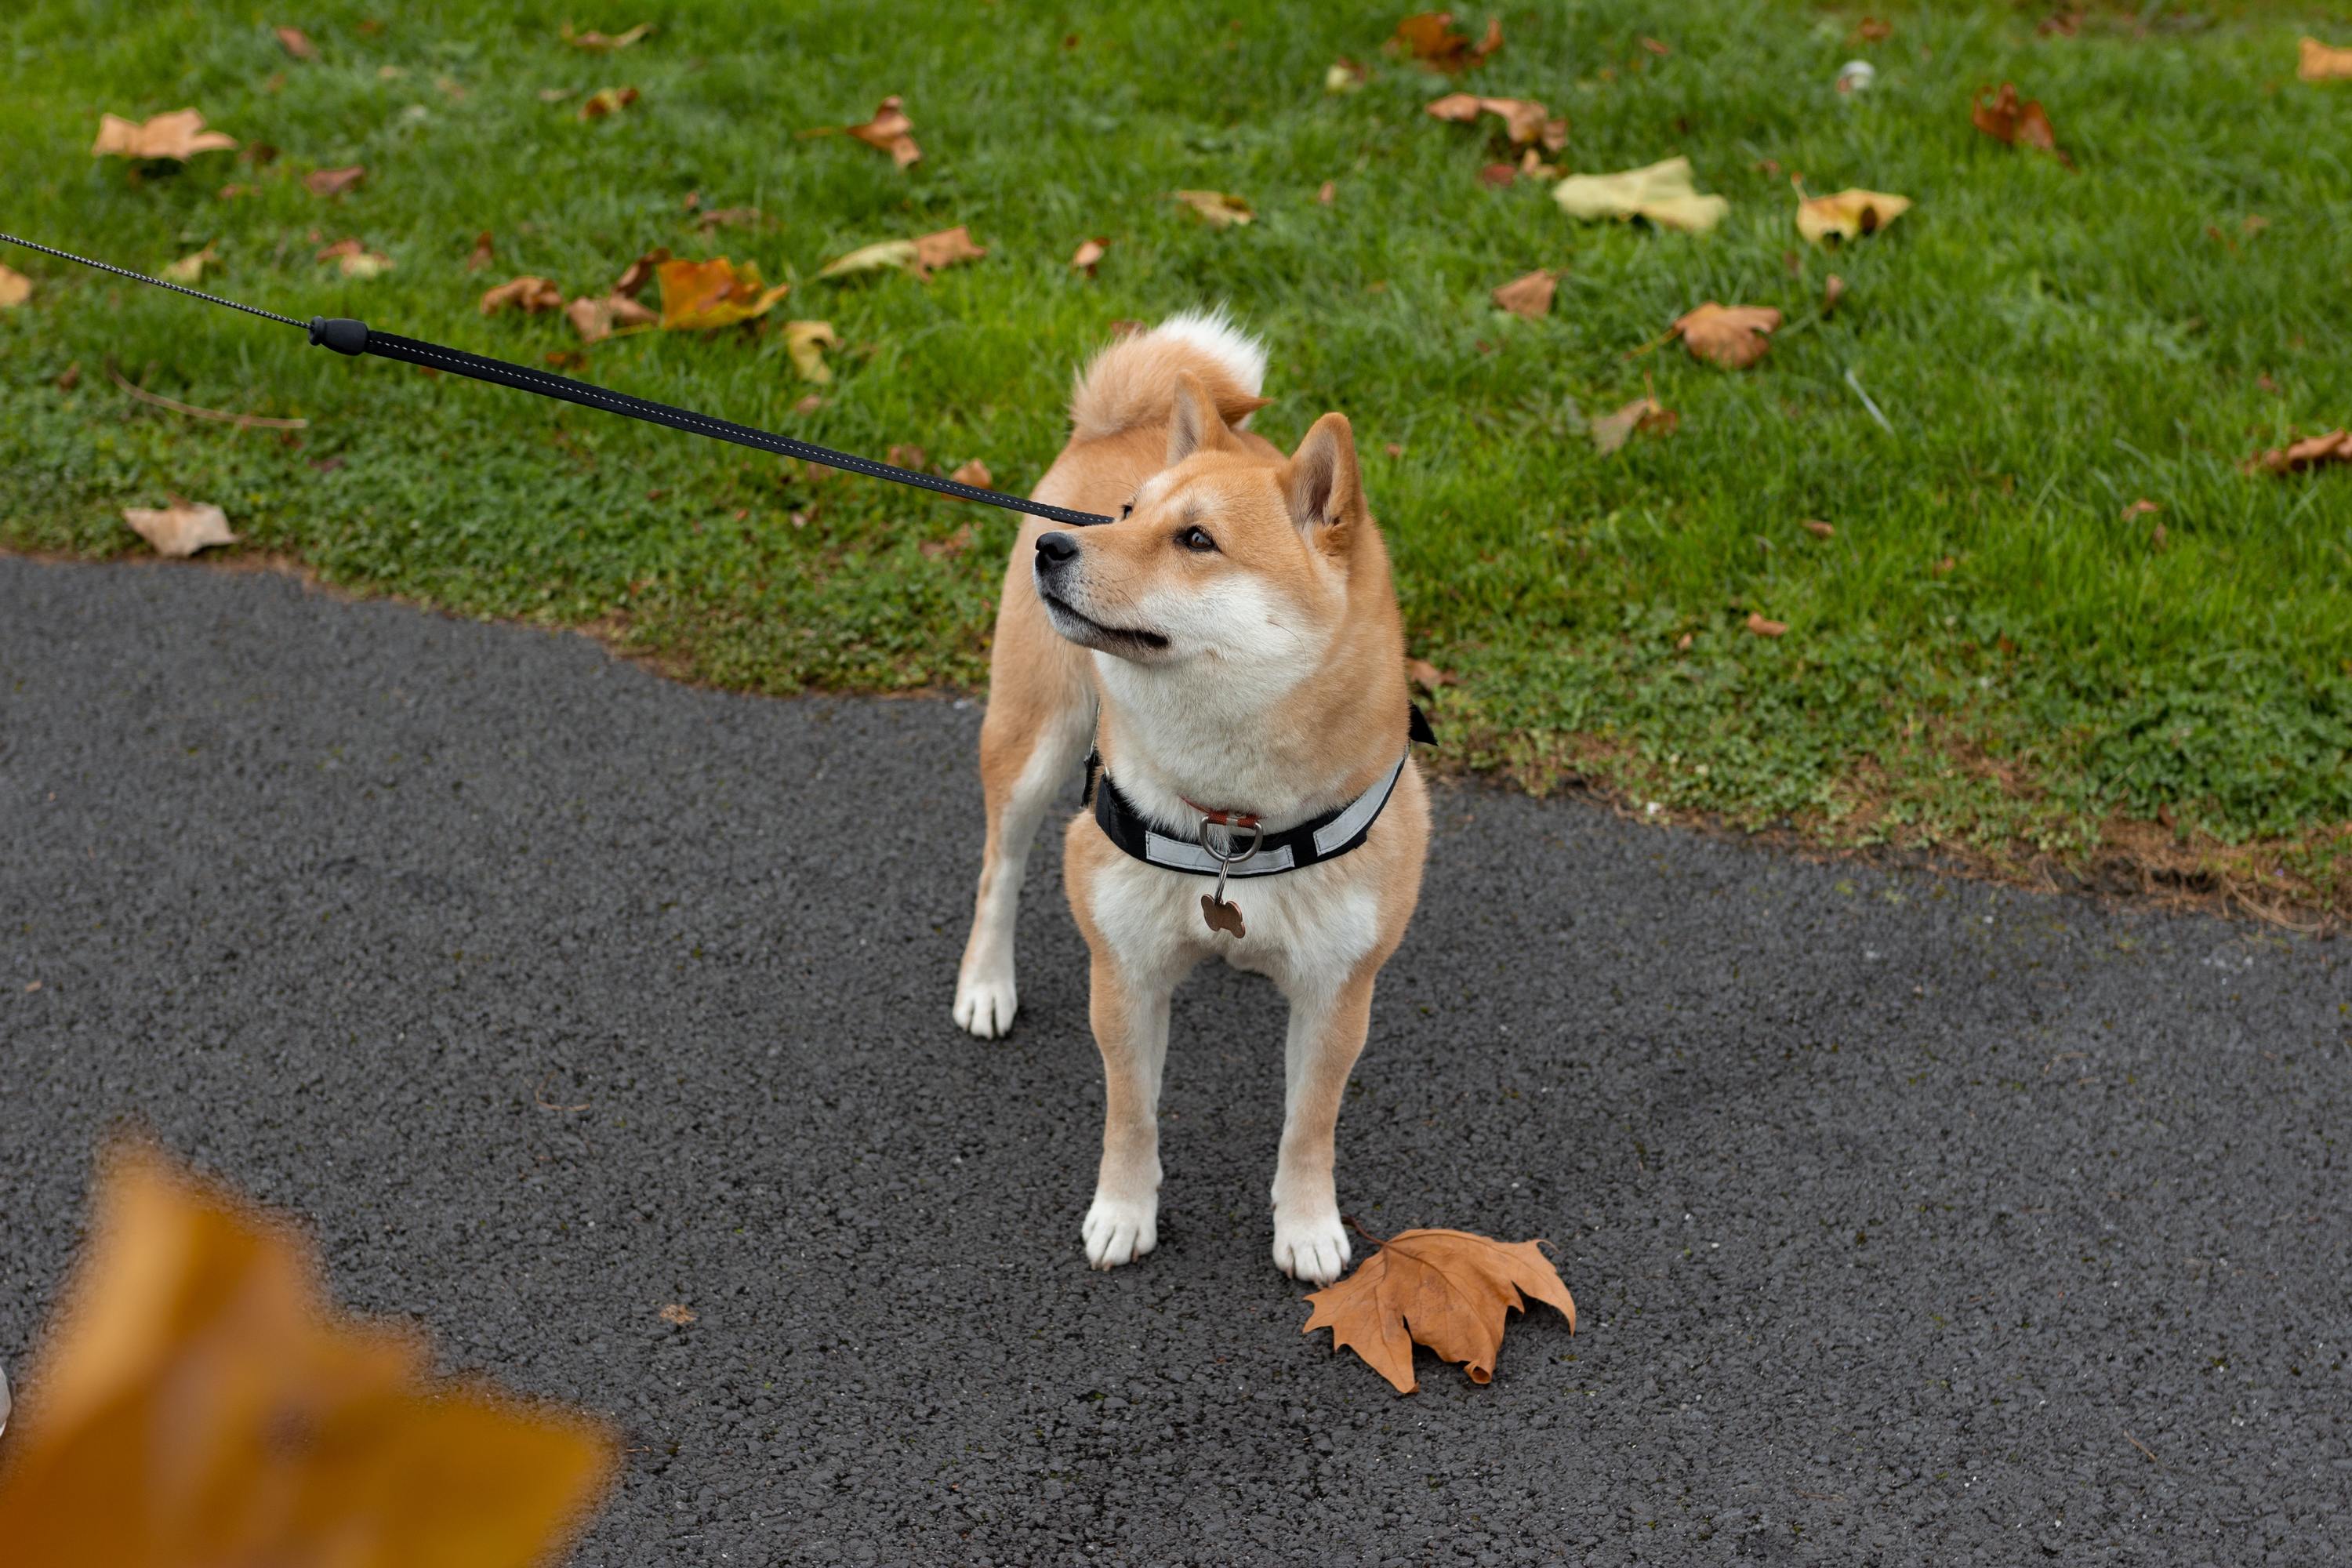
[1325,838]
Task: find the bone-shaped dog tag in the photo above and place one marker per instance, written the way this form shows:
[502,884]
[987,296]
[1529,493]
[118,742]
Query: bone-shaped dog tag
[1221,916]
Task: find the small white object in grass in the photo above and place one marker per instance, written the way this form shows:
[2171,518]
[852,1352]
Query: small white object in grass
[1653,809]
[1856,76]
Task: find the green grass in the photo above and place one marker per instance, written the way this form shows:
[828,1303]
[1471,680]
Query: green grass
[2048,346]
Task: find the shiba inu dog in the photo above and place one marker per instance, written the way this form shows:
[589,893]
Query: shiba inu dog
[1231,644]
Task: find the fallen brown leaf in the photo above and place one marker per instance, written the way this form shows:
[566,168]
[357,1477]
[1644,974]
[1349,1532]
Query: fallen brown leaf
[485,251]
[805,343]
[640,272]
[1425,675]
[179,135]
[2335,446]
[1498,175]
[919,256]
[1448,1289]
[906,455]
[1346,75]
[1871,30]
[1818,528]
[1848,215]
[1089,253]
[601,43]
[594,319]
[1945,567]
[1530,294]
[296,43]
[2320,63]
[1733,336]
[809,405]
[699,296]
[1756,623]
[2005,118]
[1644,415]
[529,294]
[891,132]
[1524,120]
[333,182]
[67,378]
[15,288]
[1217,210]
[945,248]
[975,474]
[180,529]
[1832,290]
[1429,38]
[202,1401]
[947,549]
[727,218]
[2140,508]
[607,100]
[1327,192]
[354,259]
[677,1314]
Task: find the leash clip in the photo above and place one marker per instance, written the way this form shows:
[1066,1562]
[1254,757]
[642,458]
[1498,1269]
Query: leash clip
[1221,915]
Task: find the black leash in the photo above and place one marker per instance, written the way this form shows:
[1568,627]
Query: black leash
[346,336]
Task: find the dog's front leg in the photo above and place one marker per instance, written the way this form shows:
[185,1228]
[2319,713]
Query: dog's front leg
[1327,1035]
[1130,1019]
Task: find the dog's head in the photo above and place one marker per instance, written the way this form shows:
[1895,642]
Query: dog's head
[1226,555]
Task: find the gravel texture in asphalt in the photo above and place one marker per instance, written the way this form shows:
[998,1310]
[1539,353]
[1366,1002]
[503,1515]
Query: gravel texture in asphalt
[1910,1220]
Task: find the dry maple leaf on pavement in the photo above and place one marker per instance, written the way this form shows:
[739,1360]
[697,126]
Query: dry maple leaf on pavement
[1530,294]
[1661,193]
[2320,63]
[1848,215]
[179,135]
[2335,446]
[1733,336]
[180,529]
[1217,209]
[1646,415]
[699,296]
[1448,1289]
[528,294]
[1430,39]
[1524,120]
[202,1402]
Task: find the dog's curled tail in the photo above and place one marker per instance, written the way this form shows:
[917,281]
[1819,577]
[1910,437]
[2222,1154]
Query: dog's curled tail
[1133,382]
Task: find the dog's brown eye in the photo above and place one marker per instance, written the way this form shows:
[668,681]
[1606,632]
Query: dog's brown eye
[1192,538]
[1127,508]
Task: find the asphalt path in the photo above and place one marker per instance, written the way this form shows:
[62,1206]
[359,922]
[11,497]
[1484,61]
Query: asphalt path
[1911,1220]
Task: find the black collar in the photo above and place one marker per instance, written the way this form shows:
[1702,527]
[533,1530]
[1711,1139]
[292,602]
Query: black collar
[1325,837]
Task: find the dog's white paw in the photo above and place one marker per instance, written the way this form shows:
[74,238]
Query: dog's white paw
[1310,1246]
[1120,1230]
[985,1007]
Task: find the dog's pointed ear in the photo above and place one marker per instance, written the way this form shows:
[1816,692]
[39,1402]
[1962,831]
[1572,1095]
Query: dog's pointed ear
[1321,484]
[1195,426]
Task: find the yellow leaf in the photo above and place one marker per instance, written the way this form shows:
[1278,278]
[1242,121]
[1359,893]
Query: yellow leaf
[603,43]
[180,134]
[607,100]
[1661,193]
[1644,415]
[697,295]
[180,529]
[190,268]
[201,1404]
[1448,1289]
[1216,208]
[1849,214]
[806,342]
[900,252]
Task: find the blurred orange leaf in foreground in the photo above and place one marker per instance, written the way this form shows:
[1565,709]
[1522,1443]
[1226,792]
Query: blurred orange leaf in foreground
[200,1402]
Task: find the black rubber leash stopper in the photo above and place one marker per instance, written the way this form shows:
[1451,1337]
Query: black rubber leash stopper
[340,334]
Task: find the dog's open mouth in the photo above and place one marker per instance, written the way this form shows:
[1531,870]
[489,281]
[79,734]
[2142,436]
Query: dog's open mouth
[1083,628]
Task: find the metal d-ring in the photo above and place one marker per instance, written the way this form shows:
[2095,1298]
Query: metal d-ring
[1225,858]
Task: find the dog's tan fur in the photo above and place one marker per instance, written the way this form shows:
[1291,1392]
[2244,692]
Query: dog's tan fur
[1277,687]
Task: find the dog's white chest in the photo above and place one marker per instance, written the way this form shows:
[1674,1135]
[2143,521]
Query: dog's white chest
[1316,924]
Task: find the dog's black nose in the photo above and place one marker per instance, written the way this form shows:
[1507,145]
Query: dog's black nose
[1057,549]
